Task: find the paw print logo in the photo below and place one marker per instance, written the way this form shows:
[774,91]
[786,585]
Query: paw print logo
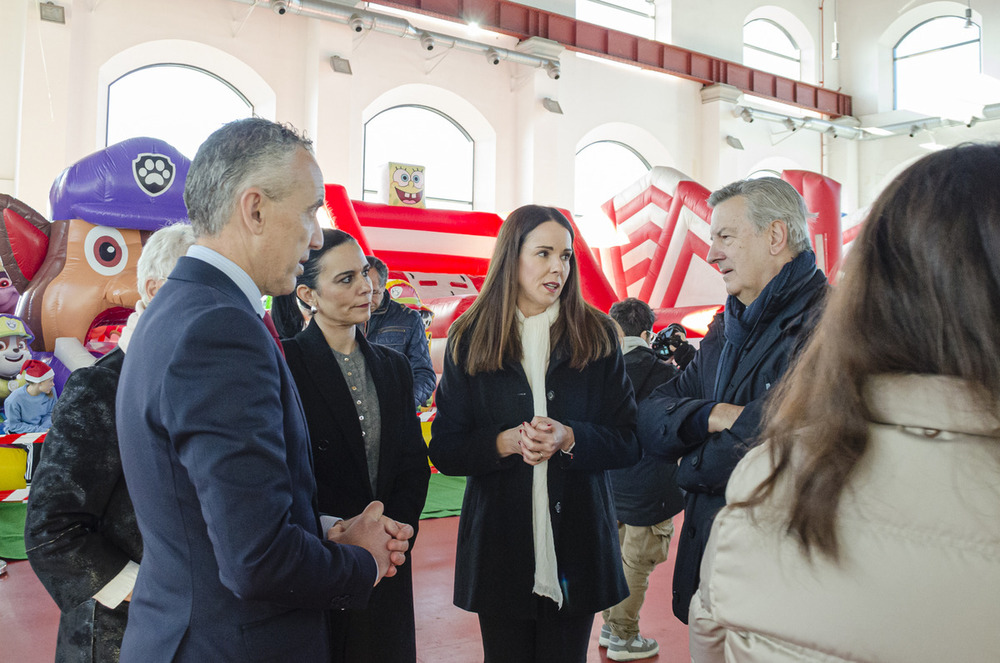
[154,173]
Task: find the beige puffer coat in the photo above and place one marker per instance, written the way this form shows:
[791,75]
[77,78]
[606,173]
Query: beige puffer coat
[919,527]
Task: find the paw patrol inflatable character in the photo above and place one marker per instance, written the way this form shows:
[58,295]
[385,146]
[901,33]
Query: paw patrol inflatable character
[14,353]
[76,275]
[8,294]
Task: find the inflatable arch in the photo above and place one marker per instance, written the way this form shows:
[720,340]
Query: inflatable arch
[666,218]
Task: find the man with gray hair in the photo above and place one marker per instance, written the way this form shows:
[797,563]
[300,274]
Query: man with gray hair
[80,531]
[237,564]
[707,417]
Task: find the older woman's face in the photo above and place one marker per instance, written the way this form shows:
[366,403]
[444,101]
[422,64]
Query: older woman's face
[343,290]
[543,267]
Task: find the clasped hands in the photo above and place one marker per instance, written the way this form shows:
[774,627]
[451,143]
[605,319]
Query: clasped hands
[536,441]
[386,539]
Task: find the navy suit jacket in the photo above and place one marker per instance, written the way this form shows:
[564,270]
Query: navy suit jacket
[216,452]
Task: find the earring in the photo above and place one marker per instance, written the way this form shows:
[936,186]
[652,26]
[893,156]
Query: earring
[312,309]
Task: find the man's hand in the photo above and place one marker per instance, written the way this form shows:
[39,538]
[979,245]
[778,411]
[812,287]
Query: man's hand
[386,539]
[541,438]
[723,416]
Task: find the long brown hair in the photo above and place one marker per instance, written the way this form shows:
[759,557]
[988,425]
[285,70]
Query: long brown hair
[491,321]
[920,294]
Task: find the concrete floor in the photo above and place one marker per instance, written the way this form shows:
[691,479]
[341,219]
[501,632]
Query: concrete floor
[445,634]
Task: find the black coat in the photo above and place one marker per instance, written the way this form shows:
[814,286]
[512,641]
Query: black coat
[80,530]
[385,630]
[646,493]
[706,464]
[494,570]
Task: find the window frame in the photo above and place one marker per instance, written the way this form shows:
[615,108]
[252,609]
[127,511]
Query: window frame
[895,47]
[787,34]
[154,65]
[472,166]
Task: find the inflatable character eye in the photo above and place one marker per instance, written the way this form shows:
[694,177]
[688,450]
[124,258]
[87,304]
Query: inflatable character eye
[401,177]
[5,282]
[106,250]
[418,179]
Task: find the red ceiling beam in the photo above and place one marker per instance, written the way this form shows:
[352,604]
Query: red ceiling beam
[521,21]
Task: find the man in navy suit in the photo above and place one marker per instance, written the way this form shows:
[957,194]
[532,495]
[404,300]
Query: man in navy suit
[213,440]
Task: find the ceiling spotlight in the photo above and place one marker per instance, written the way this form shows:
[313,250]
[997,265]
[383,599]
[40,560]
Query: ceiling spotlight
[426,41]
[340,65]
[552,69]
[789,124]
[734,142]
[831,131]
[972,122]
[492,56]
[746,114]
[356,23]
[552,106]
[279,7]
[968,15]
[914,130]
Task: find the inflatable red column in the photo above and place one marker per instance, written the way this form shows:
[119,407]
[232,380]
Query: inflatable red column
[822,196]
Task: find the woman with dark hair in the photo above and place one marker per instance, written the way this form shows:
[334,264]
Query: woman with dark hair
[366,440]
[867,527]
[533,406]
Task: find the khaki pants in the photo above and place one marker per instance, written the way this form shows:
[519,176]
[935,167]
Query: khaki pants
[642,549]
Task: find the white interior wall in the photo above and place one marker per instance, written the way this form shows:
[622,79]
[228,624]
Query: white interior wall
[524,153]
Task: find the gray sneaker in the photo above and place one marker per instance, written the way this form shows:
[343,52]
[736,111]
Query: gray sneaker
[631,649]
[605,638]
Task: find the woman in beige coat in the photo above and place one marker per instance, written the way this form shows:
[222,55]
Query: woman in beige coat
[867,528]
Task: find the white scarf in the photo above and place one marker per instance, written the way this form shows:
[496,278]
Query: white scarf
[535,361]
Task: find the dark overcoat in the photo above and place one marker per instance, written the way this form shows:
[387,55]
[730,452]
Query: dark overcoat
[215,448]
[706,464]
[342,478]
[80,530]
[494,570]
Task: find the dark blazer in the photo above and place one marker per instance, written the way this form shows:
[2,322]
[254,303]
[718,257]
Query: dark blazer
[216,452]
[706,463]
[494,571]
[384,631]
[80,530]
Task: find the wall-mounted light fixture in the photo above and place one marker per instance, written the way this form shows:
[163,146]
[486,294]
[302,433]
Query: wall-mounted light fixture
[50,11]
[493,56]
[743,112]
[426,41]
[790,124]
[340,65]
[552,106]
[552,69]
[968,15]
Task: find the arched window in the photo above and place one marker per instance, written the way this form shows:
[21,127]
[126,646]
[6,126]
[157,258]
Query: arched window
[604,169]
[637,17]
[421,136]
[768,46]
[930,55]
[176,103]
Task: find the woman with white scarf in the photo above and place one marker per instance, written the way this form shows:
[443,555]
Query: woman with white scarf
[533,406]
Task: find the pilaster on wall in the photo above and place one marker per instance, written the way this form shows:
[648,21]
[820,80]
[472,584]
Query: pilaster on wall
[13,15]
[718,164]
[48,95]
[542,133]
